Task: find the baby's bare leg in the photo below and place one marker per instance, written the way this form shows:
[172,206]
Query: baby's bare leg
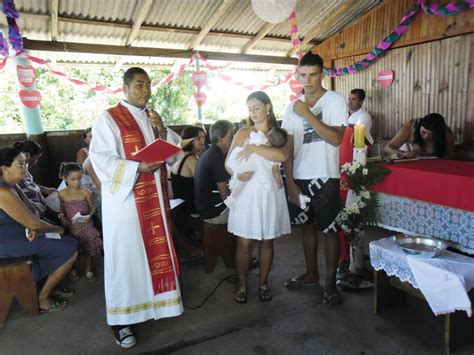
[277,176]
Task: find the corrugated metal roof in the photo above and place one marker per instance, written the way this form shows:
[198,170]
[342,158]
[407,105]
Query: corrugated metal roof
[188,16]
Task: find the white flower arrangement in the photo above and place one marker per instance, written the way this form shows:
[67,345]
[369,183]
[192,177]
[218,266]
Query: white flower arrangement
[361,207]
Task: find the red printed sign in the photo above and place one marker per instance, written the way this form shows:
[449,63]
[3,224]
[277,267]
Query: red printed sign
[385,78]
[296,86]
[199,78]
[26,75]
[30,99]
[200,98]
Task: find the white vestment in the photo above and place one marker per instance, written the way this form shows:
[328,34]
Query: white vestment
[128,285]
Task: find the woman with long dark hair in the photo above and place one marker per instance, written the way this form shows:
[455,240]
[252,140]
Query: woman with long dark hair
[427,136]
[260,212]
[52,259]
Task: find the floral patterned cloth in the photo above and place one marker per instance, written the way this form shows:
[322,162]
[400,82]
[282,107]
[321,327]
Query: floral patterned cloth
[427,219]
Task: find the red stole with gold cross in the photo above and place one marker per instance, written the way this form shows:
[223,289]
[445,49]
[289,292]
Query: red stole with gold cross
[151,215]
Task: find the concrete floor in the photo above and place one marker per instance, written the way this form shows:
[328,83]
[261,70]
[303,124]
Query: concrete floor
[294,322]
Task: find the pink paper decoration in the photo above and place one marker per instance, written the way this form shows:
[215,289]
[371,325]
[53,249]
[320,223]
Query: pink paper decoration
[30,99]
[200,98]
[385,78]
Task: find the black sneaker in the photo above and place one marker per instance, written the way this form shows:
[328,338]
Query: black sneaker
[125,338]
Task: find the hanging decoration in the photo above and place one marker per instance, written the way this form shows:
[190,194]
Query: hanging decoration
[385,78]
[297,87]
[231,80]
[200,98]
[380,48]
[30,99]
[450,9]
[199,78]
[273,11]
[14,36]
[295,37]
[26,75]
[172,76]
[3,46]
[431,9]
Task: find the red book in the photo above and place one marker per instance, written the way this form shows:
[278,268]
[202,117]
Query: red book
[159,150]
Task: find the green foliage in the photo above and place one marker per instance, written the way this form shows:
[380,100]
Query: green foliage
[172,100]
[67,106]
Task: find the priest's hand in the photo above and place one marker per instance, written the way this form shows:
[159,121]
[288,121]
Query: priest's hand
[149,167]
[157,122]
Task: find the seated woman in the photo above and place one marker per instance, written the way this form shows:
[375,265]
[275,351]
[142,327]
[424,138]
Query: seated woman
[427,136]
[35,192]
[52,258]
[182,171]
[83,153]
[182,182]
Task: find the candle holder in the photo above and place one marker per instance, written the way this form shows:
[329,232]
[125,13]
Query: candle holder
[359,155]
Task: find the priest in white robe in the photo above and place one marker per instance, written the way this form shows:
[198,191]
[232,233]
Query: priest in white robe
[140,262]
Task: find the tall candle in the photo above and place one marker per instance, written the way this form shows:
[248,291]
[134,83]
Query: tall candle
[359,136]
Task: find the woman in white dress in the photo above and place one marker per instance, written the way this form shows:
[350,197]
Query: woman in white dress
[260,211]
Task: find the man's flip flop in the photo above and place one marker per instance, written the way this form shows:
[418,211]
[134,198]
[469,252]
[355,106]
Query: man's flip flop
[56,306]
[295,282]
[333,299]
[63,293]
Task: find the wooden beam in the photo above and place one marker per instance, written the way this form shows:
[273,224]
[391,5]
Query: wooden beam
[266,28]
[322,26]
[141,15]
[54,19]
[71,47]
[212,21]
[411,42]
[25,15]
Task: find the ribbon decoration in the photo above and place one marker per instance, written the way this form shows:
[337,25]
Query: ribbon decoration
[295,40]
[3,46]
[14,36]
[380,48]
[432,9]
[162,82]
[98,88]
[231,80]
[450,9]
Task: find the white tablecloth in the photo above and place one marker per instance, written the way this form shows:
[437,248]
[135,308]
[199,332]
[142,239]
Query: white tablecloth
[444,281]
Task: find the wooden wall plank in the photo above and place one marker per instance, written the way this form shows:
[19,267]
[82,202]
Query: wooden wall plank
[430,77]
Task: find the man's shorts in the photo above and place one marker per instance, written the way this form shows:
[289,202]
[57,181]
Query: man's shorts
[324,206]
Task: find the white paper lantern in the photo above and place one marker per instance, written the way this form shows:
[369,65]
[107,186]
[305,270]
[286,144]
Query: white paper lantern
[273,11]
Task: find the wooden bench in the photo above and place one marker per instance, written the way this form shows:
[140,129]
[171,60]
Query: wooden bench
[16,281]
[390,290]
[217,241]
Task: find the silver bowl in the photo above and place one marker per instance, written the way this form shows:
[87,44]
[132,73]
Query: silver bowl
[421,246]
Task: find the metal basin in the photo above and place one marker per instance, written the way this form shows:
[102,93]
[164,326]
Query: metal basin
[421,246]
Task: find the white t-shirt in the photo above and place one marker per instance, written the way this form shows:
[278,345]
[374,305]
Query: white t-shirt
[362,116]
[314,157]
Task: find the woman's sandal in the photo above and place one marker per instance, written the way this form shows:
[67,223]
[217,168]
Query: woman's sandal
[333,299]
[73,276]
[264,293]
[91,277]
[240,296]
